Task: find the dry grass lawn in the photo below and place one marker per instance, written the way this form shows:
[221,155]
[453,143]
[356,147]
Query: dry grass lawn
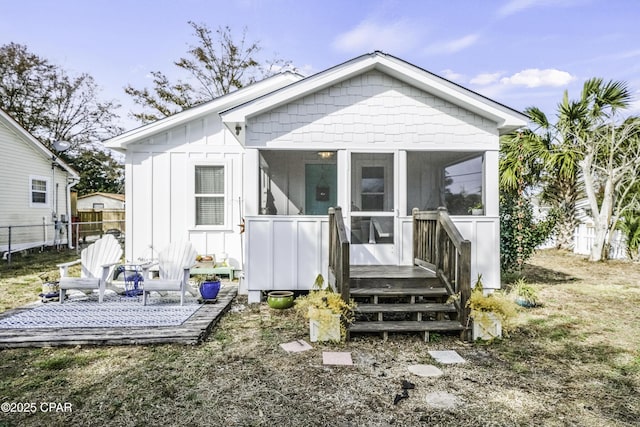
[573,361]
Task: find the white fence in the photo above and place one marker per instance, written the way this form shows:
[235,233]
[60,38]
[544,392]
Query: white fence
[583,238]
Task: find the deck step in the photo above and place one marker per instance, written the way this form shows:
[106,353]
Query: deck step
[406,326]
[398,292]
[404,308]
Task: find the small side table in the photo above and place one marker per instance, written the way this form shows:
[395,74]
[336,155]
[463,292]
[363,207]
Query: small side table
[210,268]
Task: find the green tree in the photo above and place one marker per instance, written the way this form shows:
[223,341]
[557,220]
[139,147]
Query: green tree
[50,104]
[215,66]
[586,153]
[542,159]
[629,225]
[610,156]
[54,106]
[99,171]
[520,233]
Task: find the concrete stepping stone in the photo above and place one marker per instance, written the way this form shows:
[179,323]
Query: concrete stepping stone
[442,400]
[336,358]
[425,370]
[446,357]
[296,346]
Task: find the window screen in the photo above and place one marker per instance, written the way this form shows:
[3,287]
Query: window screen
[209,192]
[38,191]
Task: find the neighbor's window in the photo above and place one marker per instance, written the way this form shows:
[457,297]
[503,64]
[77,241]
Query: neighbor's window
[38,192]
[209,194]
[98,206]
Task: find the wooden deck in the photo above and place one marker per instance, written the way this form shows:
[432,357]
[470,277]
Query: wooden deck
[193,331]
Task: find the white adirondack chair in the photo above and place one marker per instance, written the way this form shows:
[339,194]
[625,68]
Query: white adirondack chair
[97,262]
[174,263]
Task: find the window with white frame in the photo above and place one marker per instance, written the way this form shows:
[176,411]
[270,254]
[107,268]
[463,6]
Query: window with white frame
[38,189]
[209,195]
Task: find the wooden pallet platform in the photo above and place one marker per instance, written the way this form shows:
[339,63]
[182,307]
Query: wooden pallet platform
[193,331]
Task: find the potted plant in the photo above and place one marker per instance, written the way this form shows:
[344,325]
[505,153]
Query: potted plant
[490,313]
[208,285]
[476,209]
[50,285]
[327,312]
[524,294]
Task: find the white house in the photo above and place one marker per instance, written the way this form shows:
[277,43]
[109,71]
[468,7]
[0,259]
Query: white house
[375,135]
[35,192]
[100,201]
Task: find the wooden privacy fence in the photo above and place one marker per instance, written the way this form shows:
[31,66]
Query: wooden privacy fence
[98,222]
[439,246]
[339,258]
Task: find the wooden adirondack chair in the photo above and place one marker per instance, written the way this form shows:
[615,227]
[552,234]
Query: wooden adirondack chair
[97,261]
[174,263]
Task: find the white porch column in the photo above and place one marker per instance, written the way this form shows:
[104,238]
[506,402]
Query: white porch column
[251,177]
[491,184]
[344,181]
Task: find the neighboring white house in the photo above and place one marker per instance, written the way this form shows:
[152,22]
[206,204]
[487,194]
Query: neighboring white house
[375,135]
[100,201]
[35,192]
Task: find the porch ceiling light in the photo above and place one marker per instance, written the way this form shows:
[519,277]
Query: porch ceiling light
[325,154]
[238,128]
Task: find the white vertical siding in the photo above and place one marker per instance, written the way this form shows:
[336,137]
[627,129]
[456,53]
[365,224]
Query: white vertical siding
[160,199]
[286,252]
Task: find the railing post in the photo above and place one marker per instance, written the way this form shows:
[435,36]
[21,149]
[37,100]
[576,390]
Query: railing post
[9,253]
[417,236]
[464,277]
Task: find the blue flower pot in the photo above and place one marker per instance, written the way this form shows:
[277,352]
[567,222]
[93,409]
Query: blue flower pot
[209,290]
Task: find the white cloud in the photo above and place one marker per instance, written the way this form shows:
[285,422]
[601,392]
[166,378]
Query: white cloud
[534,77]
[393,37]
[453,46]
[485,78]
[452,75]
[515,6]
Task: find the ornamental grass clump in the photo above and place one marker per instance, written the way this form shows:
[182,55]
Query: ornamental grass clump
[322,304]
[496,303]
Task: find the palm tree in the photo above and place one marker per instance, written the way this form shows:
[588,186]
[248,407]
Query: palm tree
[583,153]
[609,163]
[540,159]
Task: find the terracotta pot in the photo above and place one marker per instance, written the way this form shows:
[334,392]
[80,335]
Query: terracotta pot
[280,299]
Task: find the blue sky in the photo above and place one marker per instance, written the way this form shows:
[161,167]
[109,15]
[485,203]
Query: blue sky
[518,52]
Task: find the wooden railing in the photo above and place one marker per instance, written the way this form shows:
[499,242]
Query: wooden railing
[439,246]
[338,253]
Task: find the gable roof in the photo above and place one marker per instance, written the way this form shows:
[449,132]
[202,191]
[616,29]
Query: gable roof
[507,119]
[39,147]
[221,103]
[115,196]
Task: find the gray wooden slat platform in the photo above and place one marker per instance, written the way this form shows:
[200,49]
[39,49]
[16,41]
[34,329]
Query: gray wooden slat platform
[398,291]
[406,326]
[404,308]
[389,272]
[193,331]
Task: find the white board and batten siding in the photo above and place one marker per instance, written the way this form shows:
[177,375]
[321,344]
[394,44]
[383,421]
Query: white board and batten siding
[160,188]
[285,252]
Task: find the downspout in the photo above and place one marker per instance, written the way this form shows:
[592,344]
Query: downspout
[72,182]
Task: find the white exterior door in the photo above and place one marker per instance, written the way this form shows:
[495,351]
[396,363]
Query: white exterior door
[373,212]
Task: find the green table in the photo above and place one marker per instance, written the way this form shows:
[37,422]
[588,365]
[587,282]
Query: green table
[205,269]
